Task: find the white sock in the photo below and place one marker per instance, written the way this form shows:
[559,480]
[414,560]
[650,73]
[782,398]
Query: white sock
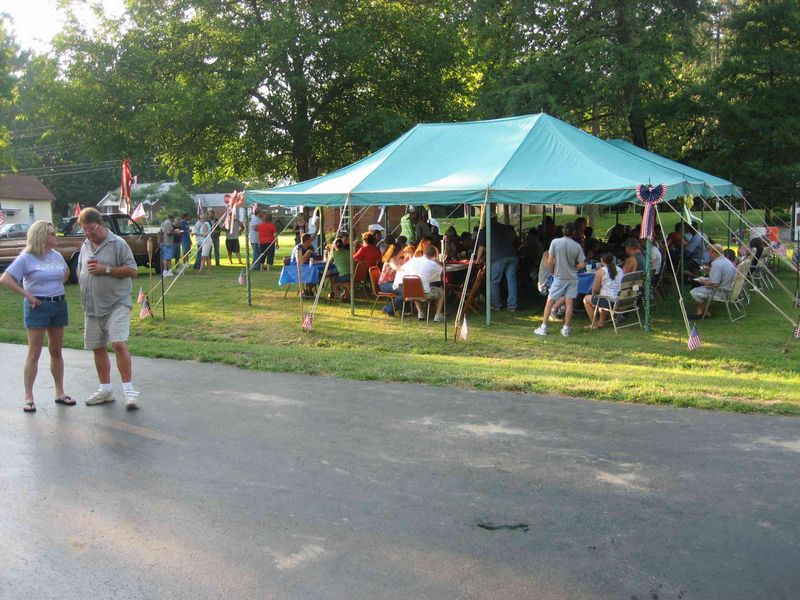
[127,386]
[106,387]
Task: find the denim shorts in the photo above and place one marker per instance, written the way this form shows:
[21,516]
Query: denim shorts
[166,252]
[47,314]
[563,287]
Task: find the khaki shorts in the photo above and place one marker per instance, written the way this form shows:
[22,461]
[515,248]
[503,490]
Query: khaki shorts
[99,332]
[435,293]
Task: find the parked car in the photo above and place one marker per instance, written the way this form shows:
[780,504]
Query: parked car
[13,231]
[71,240]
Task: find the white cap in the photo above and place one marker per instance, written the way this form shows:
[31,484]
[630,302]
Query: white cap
[376,227]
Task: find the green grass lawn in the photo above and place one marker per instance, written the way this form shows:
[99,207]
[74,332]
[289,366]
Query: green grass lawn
[747,366]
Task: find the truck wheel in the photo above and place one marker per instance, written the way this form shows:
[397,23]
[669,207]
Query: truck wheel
[156,265]
[73,269]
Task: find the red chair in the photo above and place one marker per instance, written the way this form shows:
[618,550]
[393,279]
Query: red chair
[357,280]
[413,291]
[374,276]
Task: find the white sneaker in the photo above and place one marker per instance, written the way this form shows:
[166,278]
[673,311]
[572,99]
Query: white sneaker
[420,317]
[438,318]
[100,397]
[540,330]
[169,274]
[565,330]
[132,400]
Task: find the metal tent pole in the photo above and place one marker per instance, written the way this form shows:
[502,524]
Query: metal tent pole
[352,274]
[487,224]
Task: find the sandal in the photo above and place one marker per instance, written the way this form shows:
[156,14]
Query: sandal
[65,400]
[29,406]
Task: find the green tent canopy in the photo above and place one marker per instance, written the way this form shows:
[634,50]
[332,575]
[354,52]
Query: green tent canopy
[532,159]
[722,187]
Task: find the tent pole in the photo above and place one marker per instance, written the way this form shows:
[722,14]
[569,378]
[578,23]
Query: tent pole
[352,274]
[729,225]
[647,283]
[616,210]
[468,210]
[487,224]
[520,219]
[247,257]
[680,283]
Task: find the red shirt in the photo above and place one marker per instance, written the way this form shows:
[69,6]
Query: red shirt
[368,253]
[267,233]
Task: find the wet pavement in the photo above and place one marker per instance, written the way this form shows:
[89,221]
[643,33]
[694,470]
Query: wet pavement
[241,484]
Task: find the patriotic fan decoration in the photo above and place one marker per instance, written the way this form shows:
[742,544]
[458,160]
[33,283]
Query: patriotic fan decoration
[650,196]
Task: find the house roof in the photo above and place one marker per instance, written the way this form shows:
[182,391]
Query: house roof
[210,200]
[24,187]
[112,198]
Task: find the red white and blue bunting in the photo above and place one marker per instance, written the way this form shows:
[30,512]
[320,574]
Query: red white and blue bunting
[650,195]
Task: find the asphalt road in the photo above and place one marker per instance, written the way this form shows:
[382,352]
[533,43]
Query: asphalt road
[239,484]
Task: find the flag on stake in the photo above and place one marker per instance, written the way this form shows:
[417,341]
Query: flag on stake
[125,188]
[694,339]
[464,330]
[145,312]
[140,297]
[77,210]
[796,334]
[2,216]
[307,322]
[138,212]
[241,277]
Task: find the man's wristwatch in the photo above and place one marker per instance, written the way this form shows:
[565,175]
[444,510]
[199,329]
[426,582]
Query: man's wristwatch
[108,270]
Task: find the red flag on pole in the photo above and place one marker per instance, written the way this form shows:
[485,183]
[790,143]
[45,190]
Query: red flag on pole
[125,188]
[77,210]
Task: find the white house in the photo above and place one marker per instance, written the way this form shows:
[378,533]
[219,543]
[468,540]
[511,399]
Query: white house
[110,202]
[25,199]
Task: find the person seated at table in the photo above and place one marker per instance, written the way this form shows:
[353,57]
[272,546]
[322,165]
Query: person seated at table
[430,272]
[425,242]
[368,252]
[467,242]
[303,253]
[634,260]
[580,231]
[718,283]
[393,259]
[592,249]
[455,249]
[730,255]
[402,241]
[341,260]
[607,281]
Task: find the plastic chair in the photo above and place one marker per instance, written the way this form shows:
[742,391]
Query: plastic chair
[413,291]
[626,302]
[374,276]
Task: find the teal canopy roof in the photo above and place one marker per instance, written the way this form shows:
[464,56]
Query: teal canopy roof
[533,159]
[721,186]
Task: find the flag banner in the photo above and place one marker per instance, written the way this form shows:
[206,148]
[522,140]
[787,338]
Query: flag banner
[77,210]
[145,312]
[694,339]
[139,213]
[307,322]
[650,196]
[2,216]
[241,277]
[779,249]
[140,297]
[464,330]
[125,188]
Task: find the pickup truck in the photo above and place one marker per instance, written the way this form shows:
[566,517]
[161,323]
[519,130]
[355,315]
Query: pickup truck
[69,243]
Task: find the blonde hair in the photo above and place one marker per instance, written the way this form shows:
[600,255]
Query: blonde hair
[37,237]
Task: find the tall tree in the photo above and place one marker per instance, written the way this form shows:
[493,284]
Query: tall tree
[756,90]
[268,87]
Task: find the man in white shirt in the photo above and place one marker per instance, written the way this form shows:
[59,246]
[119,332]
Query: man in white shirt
[429,271]
[718,283]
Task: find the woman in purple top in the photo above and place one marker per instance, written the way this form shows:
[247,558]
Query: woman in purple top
[38,274]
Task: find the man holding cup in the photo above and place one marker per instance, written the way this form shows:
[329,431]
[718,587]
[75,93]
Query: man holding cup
[106,266]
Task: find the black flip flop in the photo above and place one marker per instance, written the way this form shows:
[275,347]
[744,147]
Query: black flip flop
[65,400]
[29,407]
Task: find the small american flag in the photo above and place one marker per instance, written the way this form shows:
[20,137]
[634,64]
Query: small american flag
[694,339]
[796,334]
[464,330]
[241,277]
[779,249]
[140,297]
[145,312]
[139,213]
[77,210]
[2,216]
[307,322]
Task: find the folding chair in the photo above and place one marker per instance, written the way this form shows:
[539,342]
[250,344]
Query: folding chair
[374,276]
[474,290]
[357,279]
[626,302]
[413,291]
[734,298]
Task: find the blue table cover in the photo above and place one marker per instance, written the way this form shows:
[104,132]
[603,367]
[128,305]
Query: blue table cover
[310,273]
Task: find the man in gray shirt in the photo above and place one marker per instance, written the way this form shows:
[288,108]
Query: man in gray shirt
[565,259]
[167,234]
[105,268]
[718,283]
